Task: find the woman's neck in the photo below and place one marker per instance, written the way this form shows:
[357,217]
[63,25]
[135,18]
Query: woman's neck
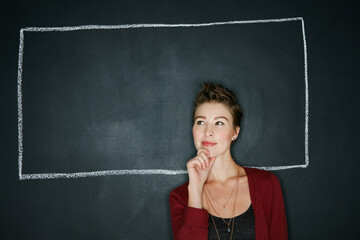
[223,169]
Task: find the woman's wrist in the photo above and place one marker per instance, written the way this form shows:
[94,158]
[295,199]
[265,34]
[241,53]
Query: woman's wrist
[195,195]
[195,188]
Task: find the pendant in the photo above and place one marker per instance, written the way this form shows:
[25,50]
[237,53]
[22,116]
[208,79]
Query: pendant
[228,229]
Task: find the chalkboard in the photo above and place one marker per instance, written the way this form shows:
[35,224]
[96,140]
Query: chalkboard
[97,112]
[95,97]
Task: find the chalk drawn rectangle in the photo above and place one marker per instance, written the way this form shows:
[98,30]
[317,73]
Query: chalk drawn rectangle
[127,26]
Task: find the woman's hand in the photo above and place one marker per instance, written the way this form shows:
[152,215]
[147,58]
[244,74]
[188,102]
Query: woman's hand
[199,169]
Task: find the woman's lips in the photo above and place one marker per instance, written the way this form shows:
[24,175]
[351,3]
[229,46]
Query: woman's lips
[208,144]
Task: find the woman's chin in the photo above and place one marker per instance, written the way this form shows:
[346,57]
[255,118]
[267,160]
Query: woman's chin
[213,155]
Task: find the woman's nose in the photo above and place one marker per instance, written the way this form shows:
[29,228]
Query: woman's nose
[209,131]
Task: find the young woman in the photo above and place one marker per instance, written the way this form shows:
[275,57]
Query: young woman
[223,200]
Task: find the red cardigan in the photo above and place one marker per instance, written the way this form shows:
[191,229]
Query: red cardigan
[266,199]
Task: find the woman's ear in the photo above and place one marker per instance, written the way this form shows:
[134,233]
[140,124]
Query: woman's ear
[236,132]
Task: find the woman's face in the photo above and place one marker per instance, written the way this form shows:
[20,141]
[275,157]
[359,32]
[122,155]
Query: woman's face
[213,128]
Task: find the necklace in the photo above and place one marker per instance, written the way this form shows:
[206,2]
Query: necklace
[227,223]
[212,206]
[222,204]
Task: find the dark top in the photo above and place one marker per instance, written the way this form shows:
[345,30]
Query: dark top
[244,227]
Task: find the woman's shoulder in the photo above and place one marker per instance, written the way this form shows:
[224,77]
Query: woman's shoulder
[263,183]
[180,189]
[259,175]
[256,172]
[180,193]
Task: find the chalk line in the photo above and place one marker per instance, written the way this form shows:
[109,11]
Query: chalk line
[160,25]
[128,172]
[103,173]
[127,26]
[19,98]
[307,162]
[276,168]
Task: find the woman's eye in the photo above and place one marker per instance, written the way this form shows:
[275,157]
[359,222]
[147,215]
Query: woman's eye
[219,123]
[200,123]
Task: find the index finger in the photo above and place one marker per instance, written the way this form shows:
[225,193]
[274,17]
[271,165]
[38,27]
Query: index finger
[207,152]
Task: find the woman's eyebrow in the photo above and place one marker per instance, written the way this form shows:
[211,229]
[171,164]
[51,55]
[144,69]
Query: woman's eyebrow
[222,117]
[200,117]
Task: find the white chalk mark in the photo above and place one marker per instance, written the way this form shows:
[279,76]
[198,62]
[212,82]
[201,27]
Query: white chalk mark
[129,172]
[306,97]
[276,168]
[19,95]
[103,173]
[127,26]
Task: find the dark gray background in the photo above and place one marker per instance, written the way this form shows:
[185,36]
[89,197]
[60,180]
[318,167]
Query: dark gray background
[122,99]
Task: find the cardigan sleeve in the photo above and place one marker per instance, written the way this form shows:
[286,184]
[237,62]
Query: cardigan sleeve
[187,222]
[278,225]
